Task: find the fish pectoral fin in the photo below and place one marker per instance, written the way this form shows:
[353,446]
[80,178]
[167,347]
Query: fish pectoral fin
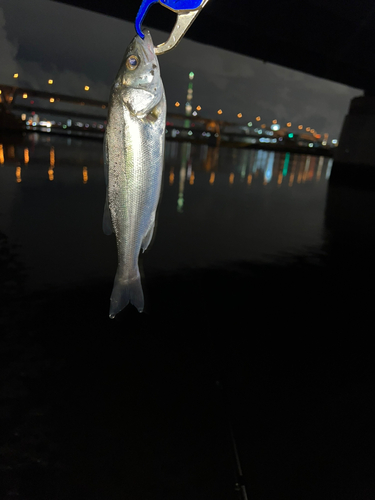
[107,221]
[147,239]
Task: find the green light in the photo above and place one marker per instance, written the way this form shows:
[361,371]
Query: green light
[290,136]
[249,124]
[286,163]
[191,75]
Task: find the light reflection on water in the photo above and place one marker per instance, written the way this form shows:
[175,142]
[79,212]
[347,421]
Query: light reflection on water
[218,205]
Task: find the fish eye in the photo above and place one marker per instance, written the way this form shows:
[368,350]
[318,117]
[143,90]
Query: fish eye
[132,62]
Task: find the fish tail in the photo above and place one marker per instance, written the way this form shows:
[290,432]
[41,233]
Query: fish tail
[125,291]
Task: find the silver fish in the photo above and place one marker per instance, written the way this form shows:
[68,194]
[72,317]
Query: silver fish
[133,163]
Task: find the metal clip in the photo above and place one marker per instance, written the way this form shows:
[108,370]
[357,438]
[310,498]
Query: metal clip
[186,10]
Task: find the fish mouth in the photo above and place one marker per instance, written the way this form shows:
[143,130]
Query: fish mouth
[146,46]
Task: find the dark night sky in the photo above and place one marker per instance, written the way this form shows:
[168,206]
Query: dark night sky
[41,39]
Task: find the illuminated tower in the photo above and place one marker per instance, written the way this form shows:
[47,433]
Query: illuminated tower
[189,98]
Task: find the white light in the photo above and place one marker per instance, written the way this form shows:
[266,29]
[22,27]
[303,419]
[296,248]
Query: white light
[334,141]
[190,132]
[264,139]
[195,113]
[311,145]
[275,126]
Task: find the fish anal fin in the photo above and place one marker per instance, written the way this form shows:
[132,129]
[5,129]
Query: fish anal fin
[147,239]
[107,221]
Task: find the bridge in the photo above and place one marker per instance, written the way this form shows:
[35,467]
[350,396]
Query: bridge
[328,39]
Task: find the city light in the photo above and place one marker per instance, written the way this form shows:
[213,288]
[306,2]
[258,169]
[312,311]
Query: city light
[15,75]
[220,112]
[191,75]
[198,108]
[239,115]
[52,99]
[312,131]
[274,121]
[249,124]
[307,129]
[300,127]
[289,124]
[177,104]
[23,116]
[24,96]
[18,174]
[84,175]
[50,82]
[258,118]
[195,113]
[87,87]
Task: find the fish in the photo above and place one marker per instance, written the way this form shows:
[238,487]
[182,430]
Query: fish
[133,165]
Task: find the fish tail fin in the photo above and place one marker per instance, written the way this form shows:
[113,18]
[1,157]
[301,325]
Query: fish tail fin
[125,291]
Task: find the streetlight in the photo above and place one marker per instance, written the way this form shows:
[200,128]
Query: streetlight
[50,82]
[220,112]
[300,127]
[289,124]
[274,121]
[258,118]
[15,75]
[24,96]
[239,115]
[307,129]
[87,87]
[198,108]
[177,104]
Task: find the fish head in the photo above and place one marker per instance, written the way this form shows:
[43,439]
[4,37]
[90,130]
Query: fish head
[138,81]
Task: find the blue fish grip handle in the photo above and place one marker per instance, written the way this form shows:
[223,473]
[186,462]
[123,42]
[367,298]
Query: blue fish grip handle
[175,5]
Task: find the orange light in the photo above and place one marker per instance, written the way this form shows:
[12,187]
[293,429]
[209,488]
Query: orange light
[1,154]
[249,179]
[318,136]
[52,99]
[24,96]
[198,108]
[300,127]
[177,104]
[220,112]
[84,175]
[307,129]
[231,178]
[274,121]
[50,82]
[26,157]
[258,118]
[18,174]
[15,75]
[239,115]
[103,106]
[289,124]
[52,156]
[312,131]
[263,125]
[212,178]
[87,87]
